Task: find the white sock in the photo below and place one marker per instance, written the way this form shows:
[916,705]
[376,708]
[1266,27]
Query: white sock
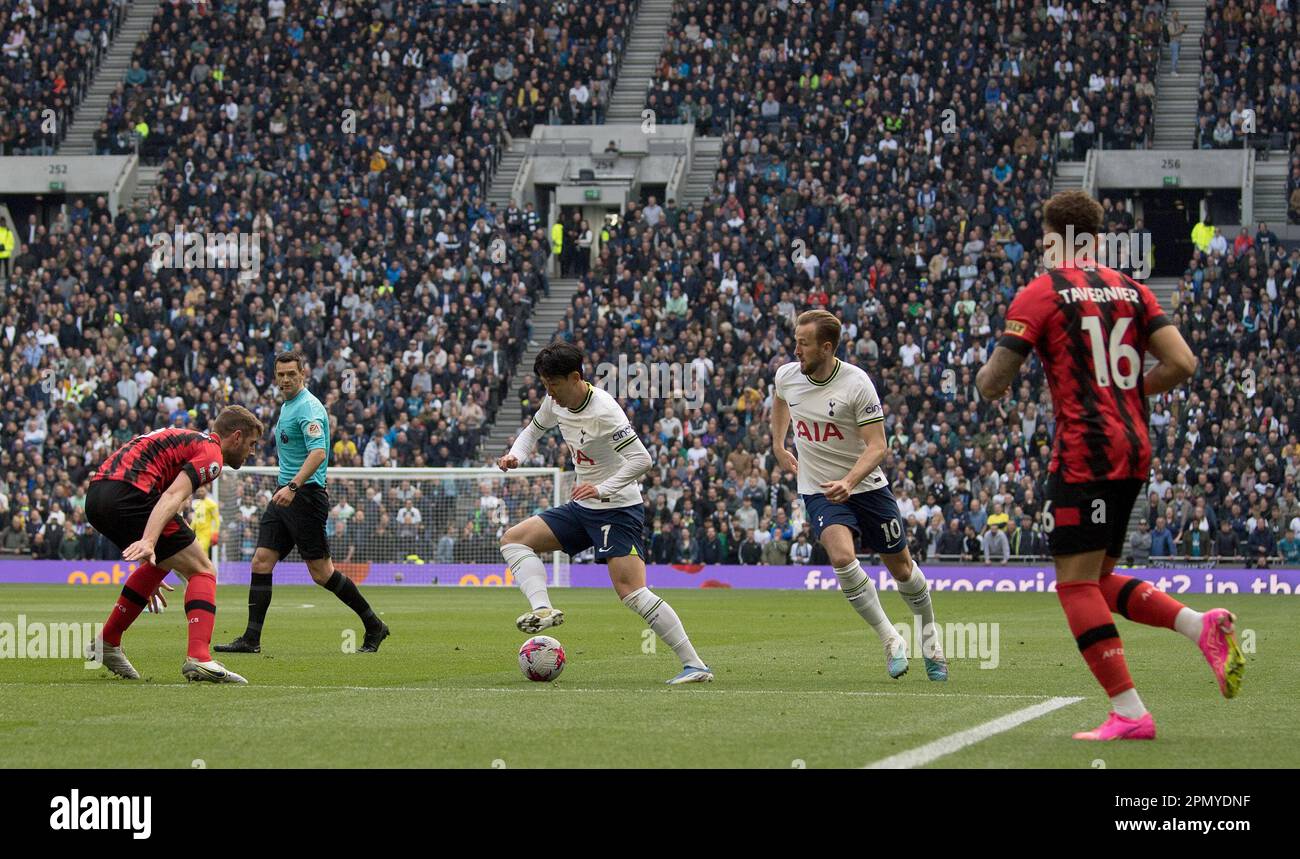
[861,593]
[1128,705]
[916,593]
[529,572]
[1188,622]
[664,621]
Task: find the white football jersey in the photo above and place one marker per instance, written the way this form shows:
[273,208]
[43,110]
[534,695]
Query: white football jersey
[597,432]
[825,418]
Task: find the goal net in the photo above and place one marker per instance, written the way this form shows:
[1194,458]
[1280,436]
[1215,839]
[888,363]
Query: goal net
[403,525]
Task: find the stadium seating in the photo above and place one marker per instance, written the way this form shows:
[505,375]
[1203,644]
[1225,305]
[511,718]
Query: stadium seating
[1079,72]
[834,135]
[1249,62]
[49,53]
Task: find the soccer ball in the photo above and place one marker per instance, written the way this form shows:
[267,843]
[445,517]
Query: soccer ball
[541,658]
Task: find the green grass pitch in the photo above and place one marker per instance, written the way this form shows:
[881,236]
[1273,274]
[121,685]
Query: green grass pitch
[800,682]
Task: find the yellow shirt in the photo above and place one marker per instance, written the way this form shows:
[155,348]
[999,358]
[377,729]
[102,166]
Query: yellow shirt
[207,521]
[998,520]
[1202,234]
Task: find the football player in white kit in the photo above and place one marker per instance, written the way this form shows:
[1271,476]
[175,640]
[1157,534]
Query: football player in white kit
[840,436]
[606,511]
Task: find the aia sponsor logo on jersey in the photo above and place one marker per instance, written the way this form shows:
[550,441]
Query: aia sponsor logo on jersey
[819,432]
[579,457]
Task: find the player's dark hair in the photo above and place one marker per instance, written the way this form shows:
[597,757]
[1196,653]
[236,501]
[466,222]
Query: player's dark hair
[1075,209]
[234,418]
[292,355]
[828,326]
[557,361]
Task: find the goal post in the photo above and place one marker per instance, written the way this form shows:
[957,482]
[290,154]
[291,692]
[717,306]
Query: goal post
[397,521]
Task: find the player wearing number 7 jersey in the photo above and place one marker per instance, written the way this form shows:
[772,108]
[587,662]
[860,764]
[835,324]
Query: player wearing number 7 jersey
[606,511]
[1091,327]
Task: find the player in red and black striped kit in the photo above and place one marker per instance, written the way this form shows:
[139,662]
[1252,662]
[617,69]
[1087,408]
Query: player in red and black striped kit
[135,499]
[1091,327]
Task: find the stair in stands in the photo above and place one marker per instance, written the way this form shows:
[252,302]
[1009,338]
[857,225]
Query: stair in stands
[546,317]
[503,180]
[705,156]
[94,108]
[1177,97]
[640,59]
[1271,190]
[1069,176]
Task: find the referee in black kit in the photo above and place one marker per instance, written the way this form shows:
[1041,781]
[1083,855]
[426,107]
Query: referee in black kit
[298,510]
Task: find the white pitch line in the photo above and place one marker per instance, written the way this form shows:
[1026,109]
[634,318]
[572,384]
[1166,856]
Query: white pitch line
[922,755]
[533,690]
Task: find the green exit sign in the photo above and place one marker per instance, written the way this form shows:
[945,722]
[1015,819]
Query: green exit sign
[1171,181]
[591,194]
[56,186]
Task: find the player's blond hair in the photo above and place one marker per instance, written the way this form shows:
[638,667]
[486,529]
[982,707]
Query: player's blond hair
[828,326]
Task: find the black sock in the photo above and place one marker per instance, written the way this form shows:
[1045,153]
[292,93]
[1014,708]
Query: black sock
[346,590]
[259,600]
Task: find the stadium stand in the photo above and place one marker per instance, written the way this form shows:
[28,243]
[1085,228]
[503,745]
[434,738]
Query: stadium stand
[50,52]
[1249,63]
[833,134]
[376,257]
[1078,72]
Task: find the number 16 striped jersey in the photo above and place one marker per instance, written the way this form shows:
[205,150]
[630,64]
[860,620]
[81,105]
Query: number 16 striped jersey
[1090,327]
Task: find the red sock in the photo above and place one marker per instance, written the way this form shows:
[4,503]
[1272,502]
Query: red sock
[201,611]
[1138,601]
[1095,633]
[139,586]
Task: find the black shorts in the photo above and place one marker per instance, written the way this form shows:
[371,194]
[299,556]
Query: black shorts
[1089,516]
[301,524]
[120,512]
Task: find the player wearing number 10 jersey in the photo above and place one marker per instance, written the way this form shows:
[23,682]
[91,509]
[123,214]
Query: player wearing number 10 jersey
[1091,327]
[839,433]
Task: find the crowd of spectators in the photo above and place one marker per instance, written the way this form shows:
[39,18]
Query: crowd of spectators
[49,53]
[379,266]
[918,249]
[222,69]
[1250,75]
[378,255]
[1035,76]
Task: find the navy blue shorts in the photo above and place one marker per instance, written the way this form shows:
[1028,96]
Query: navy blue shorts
[872,515]
[615,532]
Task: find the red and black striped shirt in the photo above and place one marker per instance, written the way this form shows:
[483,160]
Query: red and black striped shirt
[152,462]
[1090,327]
